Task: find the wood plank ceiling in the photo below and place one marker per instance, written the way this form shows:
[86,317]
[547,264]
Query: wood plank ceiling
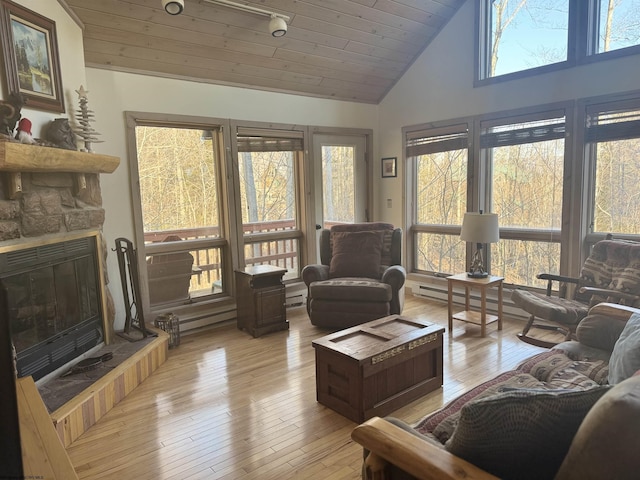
[351,50]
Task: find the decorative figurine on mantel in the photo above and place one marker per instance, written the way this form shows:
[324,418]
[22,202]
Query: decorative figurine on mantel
[10,113]
[23,134]
[59,133]
[85,118]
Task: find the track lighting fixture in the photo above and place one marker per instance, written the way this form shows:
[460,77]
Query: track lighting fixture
[277,24]
[173,7]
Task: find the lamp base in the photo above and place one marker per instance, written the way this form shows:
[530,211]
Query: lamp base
[476,270]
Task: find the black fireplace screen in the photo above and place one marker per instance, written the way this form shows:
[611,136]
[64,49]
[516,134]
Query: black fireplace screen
[54,303]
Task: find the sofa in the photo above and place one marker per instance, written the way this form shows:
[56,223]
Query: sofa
[572,412]
[359,278]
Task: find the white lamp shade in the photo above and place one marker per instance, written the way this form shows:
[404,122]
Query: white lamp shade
[480,228]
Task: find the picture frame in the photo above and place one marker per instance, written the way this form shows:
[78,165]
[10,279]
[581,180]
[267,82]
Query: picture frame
[389,167]
[31,59]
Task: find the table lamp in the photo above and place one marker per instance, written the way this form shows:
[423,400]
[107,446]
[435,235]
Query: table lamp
[479,228]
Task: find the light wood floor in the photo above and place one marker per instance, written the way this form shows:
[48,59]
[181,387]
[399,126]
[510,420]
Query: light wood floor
[226,405]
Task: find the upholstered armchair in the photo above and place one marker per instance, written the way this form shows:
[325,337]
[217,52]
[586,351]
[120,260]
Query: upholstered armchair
[360,277]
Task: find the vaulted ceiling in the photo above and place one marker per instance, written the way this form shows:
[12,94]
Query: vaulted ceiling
[352,50]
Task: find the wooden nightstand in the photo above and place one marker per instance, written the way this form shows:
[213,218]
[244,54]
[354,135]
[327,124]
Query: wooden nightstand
[478,318]
[261,299]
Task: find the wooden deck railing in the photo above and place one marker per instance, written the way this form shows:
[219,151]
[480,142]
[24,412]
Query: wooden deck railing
[207,262]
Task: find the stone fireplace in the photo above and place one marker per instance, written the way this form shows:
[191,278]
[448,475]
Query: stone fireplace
[52,253]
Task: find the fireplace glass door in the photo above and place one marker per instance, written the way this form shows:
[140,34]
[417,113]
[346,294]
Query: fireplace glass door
[53,304]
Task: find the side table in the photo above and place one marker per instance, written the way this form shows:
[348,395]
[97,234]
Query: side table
[478,318]
[261,299]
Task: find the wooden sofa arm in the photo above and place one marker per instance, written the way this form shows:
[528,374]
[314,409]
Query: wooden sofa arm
[390,444]
[614,310]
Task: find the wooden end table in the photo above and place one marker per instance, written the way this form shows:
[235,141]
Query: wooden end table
[261,299]
[481,318]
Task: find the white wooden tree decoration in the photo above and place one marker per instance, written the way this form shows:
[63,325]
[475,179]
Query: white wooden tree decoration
[85,118]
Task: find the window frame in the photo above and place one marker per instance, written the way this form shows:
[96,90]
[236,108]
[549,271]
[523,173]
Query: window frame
[414,228]
[479,178]
[222,242]
[582,39]
[297,234]
[589,108]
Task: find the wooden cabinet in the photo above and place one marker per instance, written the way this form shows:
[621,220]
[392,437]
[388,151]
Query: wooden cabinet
[261,299]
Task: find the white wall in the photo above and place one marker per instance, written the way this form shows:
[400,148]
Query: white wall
[112,93]
[439,86]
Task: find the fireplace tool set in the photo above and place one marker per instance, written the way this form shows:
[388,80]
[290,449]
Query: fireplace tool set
[129,278]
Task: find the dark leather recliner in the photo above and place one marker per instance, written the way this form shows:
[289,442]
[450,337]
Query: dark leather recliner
[360,278]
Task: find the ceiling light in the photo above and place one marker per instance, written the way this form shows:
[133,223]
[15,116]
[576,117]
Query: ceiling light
[277,26]
[173,7]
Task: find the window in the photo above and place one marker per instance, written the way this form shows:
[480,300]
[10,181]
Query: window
[438,159]
[269,164]
[613,150]
[525,158]
[342,194]
[525,37]
[178,176]
[615,25]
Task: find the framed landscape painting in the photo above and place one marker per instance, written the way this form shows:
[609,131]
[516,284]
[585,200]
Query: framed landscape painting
[31,61]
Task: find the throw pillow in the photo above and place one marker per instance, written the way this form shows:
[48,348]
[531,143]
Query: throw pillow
[521,434]
[625,357]
[356,254]
[599,331]
[606,445]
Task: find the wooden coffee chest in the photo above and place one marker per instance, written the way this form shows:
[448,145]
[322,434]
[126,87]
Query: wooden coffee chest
[377,367]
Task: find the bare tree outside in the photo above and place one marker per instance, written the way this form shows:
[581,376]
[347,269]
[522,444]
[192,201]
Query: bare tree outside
[178,189]
[531,33]
[338,182]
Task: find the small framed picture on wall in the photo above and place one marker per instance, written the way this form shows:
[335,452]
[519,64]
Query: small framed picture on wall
[389,167]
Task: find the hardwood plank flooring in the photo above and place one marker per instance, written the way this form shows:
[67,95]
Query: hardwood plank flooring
[229,406]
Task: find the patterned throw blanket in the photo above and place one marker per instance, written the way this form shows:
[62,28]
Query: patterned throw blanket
[552,370]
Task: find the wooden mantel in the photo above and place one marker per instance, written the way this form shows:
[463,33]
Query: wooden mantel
[17,158]
[21,158]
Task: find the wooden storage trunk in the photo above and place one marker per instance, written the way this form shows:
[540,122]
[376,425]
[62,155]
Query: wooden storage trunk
[377,367]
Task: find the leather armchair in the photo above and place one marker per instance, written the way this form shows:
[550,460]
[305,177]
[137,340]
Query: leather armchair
[359,290]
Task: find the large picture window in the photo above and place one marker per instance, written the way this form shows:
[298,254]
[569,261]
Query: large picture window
[526,159]
[525,37]
[613,148]
[439,162]
[558,181]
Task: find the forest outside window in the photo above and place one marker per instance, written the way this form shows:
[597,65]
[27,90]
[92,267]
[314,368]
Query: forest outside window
[438,160]
[184,244]
[613,150]
[269,164]
[517,38]
[525,157]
